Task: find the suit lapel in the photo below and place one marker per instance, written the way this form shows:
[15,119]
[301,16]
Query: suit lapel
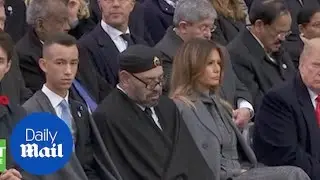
[77,112]
[228,118]
[108,49]
[307,111]
[204,116]
[44,102]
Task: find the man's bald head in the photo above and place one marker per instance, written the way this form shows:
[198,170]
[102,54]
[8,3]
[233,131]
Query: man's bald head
[309,66]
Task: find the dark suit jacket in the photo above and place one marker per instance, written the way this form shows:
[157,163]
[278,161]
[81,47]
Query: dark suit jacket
[255,69]
[39,102]
[232,89]
[104,53]
[84,27]
[15,24]
[158,17]
[227,29]
[136,20]
[286,130]
[9,116]
[29,50]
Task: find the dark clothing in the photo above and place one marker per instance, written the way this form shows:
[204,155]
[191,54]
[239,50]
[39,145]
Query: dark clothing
[158,18]
[255,69]
[29,50]
[232,89]
[13,84]
[136,20]
[15,24]
[286,130]
[104,53]
[140,149]
[9,117]
[84,27]
[227,29]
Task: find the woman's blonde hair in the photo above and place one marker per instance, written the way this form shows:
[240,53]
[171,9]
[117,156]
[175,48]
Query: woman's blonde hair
[189,65]
[236,13]
[84,12]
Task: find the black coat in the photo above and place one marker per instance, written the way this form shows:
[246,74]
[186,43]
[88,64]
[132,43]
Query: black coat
[286,130]
[84,27]
[158,17]
[15,24]
[227,29]
[104,53]
[231,89]
[140,150]
[255,69]
[29,50]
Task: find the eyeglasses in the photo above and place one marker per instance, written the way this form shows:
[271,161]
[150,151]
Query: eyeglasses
[152,84]
[282,35]
[205,27]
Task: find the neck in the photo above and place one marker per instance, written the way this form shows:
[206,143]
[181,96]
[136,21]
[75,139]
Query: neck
[40,35]
[121,27]
[176,30]
[203,89]
[61,92]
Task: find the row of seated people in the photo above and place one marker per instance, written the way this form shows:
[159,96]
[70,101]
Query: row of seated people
[90,89]
[135,132]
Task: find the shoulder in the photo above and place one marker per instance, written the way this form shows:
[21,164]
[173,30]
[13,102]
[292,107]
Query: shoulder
[283,94]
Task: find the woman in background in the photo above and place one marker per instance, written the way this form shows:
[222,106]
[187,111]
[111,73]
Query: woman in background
[196,78]
[231,19]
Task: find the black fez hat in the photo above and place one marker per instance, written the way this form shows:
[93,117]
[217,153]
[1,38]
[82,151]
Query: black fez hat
[139,58]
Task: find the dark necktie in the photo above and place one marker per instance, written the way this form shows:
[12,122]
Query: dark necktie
[84,94]
[148,112]
[127,38]
[318,110]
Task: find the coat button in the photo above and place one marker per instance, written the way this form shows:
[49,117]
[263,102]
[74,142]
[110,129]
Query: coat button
[205,146]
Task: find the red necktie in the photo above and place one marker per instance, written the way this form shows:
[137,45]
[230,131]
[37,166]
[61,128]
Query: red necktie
[318,109]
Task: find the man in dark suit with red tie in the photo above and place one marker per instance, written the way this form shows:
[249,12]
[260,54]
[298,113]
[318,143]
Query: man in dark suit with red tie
[287,126]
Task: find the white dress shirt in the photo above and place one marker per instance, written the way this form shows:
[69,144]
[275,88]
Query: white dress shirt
[313,97]
[114,34]
[154,115]
[55,100]
[171,3]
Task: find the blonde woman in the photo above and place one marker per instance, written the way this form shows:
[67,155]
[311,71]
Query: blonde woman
[231,19]
[79,18]
[197,73]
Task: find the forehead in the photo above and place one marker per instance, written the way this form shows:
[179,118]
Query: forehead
[283,22]
[315,17]
[152,73]
[57,51]
[207,21]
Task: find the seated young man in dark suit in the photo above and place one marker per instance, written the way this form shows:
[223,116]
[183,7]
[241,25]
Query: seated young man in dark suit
[110,37]
[60,64]
[48,17]
[10,113]
[256,53]
[287,126]
[143,131]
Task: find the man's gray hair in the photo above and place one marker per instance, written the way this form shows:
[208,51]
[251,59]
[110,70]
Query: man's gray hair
[41,9]
[193,11]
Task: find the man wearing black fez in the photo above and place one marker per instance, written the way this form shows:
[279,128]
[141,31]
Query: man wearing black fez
[141,129]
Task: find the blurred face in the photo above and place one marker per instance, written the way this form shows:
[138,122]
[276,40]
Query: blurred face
[310,69]
[211,74]
[73,9]
[60,64]
[116,12]
[2,17]
[202,29]
[311,29]
[4,64]
[273,35]
[145,88]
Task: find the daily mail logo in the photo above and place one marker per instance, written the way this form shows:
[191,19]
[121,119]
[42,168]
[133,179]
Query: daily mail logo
[41,144]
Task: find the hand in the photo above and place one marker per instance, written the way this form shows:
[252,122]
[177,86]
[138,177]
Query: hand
[10,174]
[241,117]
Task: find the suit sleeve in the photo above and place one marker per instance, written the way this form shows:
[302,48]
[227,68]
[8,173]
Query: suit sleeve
[275,137]
[244,72]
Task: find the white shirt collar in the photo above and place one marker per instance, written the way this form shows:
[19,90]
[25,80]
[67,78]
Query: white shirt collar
[171,3]
[256,38]
[54,98]
[111,31]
